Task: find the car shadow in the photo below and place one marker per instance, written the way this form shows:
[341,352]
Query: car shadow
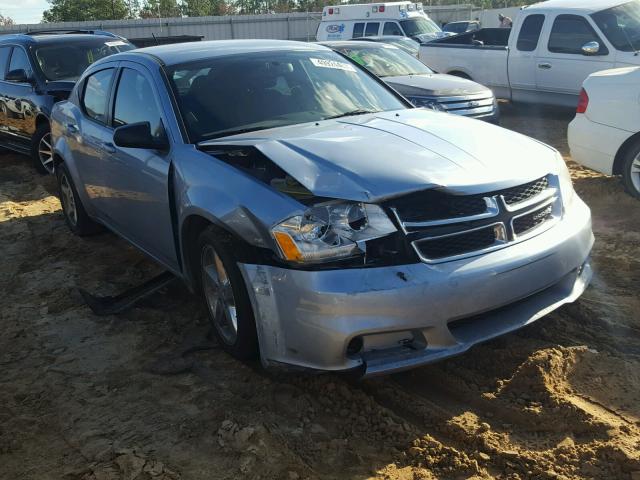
[20,182]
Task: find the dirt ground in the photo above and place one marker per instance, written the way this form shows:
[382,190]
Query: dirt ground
[145,395]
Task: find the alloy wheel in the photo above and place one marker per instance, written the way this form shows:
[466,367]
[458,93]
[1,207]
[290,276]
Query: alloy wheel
[68,201]
[45,152]
[219,295]
[635,172]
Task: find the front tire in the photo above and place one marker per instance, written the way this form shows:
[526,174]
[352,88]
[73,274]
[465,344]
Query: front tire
[74,213]
[225,296]
[42,149]
[631,170]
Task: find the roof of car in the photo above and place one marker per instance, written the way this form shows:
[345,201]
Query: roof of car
[188,52]
[357,43]
[50,38]
[383,38]
[587,6]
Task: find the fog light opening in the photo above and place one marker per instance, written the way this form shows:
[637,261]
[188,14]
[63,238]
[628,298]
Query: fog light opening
[355,346]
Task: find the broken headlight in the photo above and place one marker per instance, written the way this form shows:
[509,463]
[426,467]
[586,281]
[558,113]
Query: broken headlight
[330,231]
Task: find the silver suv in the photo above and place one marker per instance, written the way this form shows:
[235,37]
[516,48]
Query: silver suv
[325,223]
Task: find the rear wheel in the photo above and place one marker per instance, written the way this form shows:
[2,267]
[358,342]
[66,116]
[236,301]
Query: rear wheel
[42,149]
[226,297]
[74,213]
[631,170]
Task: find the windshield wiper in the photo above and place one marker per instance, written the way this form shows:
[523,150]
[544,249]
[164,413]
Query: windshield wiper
[352,112]
[232,131]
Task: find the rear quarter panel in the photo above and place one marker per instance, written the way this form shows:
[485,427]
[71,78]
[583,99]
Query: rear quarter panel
[614,98]
[64,145]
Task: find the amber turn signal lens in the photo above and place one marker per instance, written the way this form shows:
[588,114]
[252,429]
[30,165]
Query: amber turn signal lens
[287,247]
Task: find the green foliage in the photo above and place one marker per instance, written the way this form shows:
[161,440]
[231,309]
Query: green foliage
[80,10]
[163,8]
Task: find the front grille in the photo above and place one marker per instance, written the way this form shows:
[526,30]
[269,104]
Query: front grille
[524,192]
[441,226]
[433,205]
[458,244]
[529,221]
[469,105]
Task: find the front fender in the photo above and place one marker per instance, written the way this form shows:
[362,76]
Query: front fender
[228,197]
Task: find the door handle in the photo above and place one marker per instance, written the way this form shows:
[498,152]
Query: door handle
[109,147]
[544,66]
[72,128]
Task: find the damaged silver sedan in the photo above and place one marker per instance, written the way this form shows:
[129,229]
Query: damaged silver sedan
[326,223]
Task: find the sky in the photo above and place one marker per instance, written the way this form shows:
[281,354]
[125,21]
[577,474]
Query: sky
[23,11]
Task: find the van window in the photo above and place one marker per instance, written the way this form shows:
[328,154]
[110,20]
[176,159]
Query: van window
[372,29]
[530,33]
[391,28]
[570,33]
[358,30]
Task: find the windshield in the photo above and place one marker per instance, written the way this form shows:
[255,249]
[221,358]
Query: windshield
[232,94]
[455,27]
[386,61]
[406,44]
[67,61]
[621,25]
[419,26]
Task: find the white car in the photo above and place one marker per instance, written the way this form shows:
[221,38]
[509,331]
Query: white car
[605,135]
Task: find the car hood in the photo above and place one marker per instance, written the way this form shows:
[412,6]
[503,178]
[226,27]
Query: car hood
[435,84]
[378,156]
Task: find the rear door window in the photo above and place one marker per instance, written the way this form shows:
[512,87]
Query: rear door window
[372,29]
[20,61]
[391,28]
[570,33]
[96,95]
[358,30]
[530,33]
[4,60]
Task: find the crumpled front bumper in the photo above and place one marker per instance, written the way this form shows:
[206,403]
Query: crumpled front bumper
[408,315]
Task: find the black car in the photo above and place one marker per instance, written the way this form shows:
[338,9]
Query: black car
[38,69]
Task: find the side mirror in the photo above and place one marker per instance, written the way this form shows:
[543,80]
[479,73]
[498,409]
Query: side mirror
[17,76]
[590,48]
[138,135]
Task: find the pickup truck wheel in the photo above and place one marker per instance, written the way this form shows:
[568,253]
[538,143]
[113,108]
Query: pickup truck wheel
[42,149]
[631,170]
[226,297]
[74,213]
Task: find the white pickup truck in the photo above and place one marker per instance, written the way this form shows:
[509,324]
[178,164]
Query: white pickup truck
[551,49]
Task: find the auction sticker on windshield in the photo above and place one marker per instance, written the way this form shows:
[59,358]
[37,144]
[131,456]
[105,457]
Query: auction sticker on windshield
[320,62]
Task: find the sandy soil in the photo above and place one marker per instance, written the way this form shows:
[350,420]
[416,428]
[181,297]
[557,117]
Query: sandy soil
[145,395]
